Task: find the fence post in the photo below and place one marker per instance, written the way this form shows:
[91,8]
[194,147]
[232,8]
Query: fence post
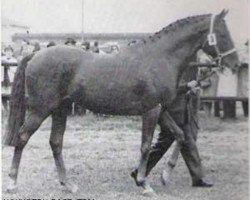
[245,108]
[217,108]
[229,108]
[6,78]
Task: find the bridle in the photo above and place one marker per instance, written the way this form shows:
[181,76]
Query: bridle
[212,41]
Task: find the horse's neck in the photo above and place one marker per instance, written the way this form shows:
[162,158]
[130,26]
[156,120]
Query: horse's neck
[188,54]
[179,47]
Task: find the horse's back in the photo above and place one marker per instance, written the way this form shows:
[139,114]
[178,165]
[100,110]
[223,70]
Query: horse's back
[56,55]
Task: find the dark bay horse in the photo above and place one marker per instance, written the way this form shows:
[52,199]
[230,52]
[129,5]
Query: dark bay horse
[139,80]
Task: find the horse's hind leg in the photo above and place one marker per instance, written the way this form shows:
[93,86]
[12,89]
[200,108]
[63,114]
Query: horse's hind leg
[30,125]
[171,163]
[59,117]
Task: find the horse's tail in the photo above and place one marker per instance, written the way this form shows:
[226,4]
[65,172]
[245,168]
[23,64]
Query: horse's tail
[17,104]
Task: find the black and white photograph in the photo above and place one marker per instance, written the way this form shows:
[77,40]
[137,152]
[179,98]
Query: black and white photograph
[125,100]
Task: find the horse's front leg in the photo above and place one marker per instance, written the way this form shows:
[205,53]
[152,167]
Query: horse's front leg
[149,122]
[170,123]
[171,163]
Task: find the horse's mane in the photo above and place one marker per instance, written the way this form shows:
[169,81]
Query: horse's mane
[182,23]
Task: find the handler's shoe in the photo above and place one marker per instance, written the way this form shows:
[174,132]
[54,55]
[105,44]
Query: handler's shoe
[201,183]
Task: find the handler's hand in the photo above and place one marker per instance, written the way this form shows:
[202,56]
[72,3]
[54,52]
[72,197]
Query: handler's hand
[192,84]
[195,90]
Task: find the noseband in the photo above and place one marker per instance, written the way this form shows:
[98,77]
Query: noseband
[212,41]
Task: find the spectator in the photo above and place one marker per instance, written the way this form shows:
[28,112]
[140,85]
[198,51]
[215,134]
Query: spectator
[114,49]
[243,79]
[86,45]
[8,55]
[70,42]
[8,73]
[95,47]
[245,54]
[133,42]
[36,47]
[51,44]
[26,49]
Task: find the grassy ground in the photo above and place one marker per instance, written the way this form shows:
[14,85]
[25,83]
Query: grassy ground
[101,152]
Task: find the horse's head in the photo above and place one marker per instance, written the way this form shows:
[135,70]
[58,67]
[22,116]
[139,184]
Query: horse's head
[219,43]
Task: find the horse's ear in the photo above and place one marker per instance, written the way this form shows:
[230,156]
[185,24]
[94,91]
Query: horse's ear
[222,14]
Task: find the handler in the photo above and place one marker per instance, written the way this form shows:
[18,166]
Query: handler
[184,111]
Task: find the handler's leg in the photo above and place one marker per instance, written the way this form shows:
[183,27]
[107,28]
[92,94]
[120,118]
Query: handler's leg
[59,118]
[171,163]
[174,156]
[31,124]
[192,159]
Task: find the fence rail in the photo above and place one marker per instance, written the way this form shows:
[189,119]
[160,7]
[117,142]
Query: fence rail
[9,64]
[225,98]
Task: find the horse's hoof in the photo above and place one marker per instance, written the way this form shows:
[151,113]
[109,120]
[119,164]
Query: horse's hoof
[12,188]
[138,182]
[133,174]
[74,189]
[70,188]
[149,192]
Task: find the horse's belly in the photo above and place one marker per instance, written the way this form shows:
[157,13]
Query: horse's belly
[111,110]
[117,96]
[115,104]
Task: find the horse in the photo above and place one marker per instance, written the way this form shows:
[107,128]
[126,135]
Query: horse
[141,79]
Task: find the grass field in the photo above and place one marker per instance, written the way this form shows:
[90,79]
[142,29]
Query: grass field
[101,152]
